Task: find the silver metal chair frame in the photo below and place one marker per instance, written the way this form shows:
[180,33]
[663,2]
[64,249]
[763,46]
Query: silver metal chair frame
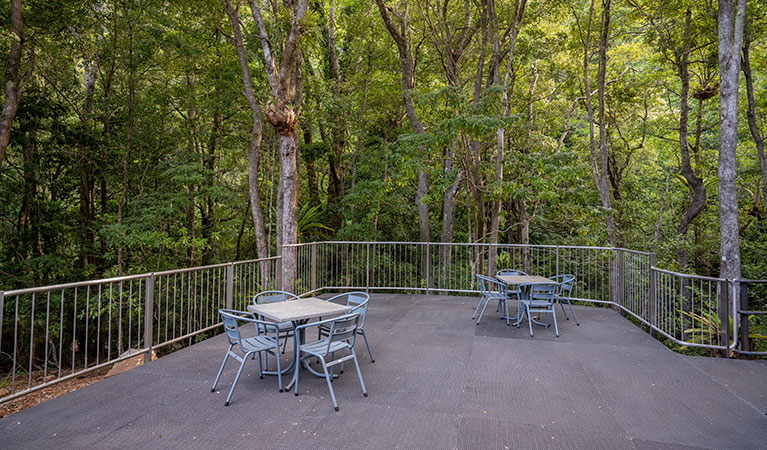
[342,330]
[262,342]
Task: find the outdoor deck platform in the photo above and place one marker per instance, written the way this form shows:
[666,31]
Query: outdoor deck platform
[439,382]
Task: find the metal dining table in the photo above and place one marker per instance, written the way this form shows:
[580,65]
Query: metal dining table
[522,280]
[299,312]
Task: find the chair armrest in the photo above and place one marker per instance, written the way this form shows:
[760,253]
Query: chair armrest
[249,317]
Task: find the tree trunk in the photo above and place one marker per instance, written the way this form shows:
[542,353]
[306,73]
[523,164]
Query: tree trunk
[694,183]
[599,164]
[27,228]
[336,190]
[408,83]
[284,77]
[730,41]
[85,163]
[254,149]
[11,80]
[751,115]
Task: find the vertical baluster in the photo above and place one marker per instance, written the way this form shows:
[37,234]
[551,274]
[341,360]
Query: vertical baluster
[47,328]
[61,333]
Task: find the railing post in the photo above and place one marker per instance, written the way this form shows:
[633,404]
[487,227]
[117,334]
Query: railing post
[314,266]
[229,286]
[428,268]
[148,317]
[557,268]
[724,315]
[278,275]
[2,305]
[745,345]
[652,296]
[621,277]
[367,267]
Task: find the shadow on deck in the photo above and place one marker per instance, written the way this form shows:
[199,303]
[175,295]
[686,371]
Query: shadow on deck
[439,381]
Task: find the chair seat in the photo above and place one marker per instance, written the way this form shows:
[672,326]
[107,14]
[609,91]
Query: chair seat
[320,348]
[535,303]
[257,344]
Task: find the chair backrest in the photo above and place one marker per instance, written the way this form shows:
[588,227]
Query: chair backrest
[490,286]
[343,328]
[273,297]
[512,272]
[544,291]
[566,282]
[231,327]
[359,303]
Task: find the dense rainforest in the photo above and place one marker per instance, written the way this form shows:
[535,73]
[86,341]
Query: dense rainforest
[140,135]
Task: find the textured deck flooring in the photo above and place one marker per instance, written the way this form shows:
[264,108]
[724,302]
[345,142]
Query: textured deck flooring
[439,382]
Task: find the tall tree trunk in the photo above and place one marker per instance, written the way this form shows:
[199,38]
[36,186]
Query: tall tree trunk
[85,163]
[694,182]
[407,72]
[27,228]
[284,77]
[508,86]
[751,115]
[126,154]
[599,163]
[730,42]
[254,149]
[11,83]
[336,189]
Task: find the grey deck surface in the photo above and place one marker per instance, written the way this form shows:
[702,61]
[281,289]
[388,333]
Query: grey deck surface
[439,382]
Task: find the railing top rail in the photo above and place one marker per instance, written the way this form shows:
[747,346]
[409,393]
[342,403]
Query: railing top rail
[465,244]
[747,281]
[685,275]
[77,284]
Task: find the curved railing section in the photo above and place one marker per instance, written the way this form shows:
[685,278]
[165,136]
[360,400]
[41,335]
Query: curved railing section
[689,310]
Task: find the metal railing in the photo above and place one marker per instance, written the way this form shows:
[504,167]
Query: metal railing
[689,310]
[53,333]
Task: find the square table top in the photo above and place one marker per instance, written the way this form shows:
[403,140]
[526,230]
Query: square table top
[301,309]
[524,279]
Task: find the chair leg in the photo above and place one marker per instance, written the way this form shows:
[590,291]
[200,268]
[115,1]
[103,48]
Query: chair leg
[554,314]
[477,309]
[563,309]
[529,320]
[221,370]
[507,312]
[279,371]
[483,310]
[359,373]
[365,336]
[236,378]
[260,366]
[285,343]
[330,385]
[572,311]
[298,370]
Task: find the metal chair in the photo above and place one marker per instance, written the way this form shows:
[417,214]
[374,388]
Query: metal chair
[359,302]
[564,292]
[262,342]
[285,328]
[491,289]
[537,298]
[341,336]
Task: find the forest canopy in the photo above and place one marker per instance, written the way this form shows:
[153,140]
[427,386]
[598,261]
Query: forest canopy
[141,135]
